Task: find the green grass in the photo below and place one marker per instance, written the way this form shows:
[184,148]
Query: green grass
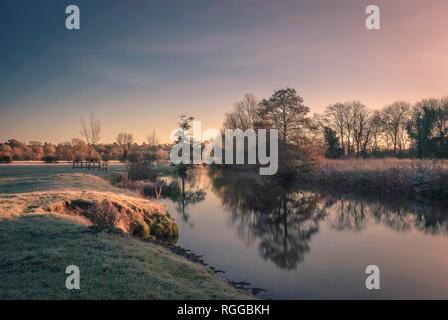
[36,249]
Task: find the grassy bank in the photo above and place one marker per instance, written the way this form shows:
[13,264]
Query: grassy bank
[388,177]
[37,248]
[80,219]
[104,210]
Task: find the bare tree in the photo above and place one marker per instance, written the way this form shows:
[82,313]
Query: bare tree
[376,131]
[335,118]
[395,117]
[125,140]
[244,114]
[349,120]
[91,132]
[153,139]
[360,125]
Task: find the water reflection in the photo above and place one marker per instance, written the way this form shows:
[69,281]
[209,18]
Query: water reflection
[185,192]
[357,214]
[283,220]
[302,243]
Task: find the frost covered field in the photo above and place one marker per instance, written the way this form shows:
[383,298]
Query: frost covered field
[52,217]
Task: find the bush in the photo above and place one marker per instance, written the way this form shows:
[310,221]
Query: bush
[50,158]
[5,158]
[140,166]
[95,156]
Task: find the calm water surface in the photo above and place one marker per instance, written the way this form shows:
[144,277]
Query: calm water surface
[304,245]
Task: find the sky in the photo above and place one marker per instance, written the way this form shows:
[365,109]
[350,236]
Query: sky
[139,64]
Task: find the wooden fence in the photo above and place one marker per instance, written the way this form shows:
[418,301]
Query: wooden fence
[90,165]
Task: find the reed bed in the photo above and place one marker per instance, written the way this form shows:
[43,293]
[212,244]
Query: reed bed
[392,177]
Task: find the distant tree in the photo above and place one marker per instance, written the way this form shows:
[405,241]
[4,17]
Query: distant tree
[244,114]
[284,111]
[376,131]
[35,144]
[5,158]
[185,122]
[351,121]
[64,151]
[420,126]
[162,154]
[91,132]
[335,117]
[153,139]
[360,126]
[80,149]
[441,128]
[395,117]
[49,149]
[125,140]
[13,143]
[50,158]
[333,146]
[5,153]
[183,135]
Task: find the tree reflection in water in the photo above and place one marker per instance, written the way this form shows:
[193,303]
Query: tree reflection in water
[283,220]
[356,214]
[185,192]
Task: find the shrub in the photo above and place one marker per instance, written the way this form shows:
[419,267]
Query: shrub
[5,158]
[50,158]
[140,166]
[95,156]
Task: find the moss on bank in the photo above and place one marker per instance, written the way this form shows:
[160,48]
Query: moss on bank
[35,250]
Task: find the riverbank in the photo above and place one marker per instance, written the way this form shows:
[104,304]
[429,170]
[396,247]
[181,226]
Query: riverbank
[426,179]
[37,248]
[81,220]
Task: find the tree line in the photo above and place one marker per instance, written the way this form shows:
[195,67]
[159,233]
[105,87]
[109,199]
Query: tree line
[86,148]
[348,129]
[343,130]
[75,150]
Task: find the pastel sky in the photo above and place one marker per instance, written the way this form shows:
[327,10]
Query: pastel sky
[139,64]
